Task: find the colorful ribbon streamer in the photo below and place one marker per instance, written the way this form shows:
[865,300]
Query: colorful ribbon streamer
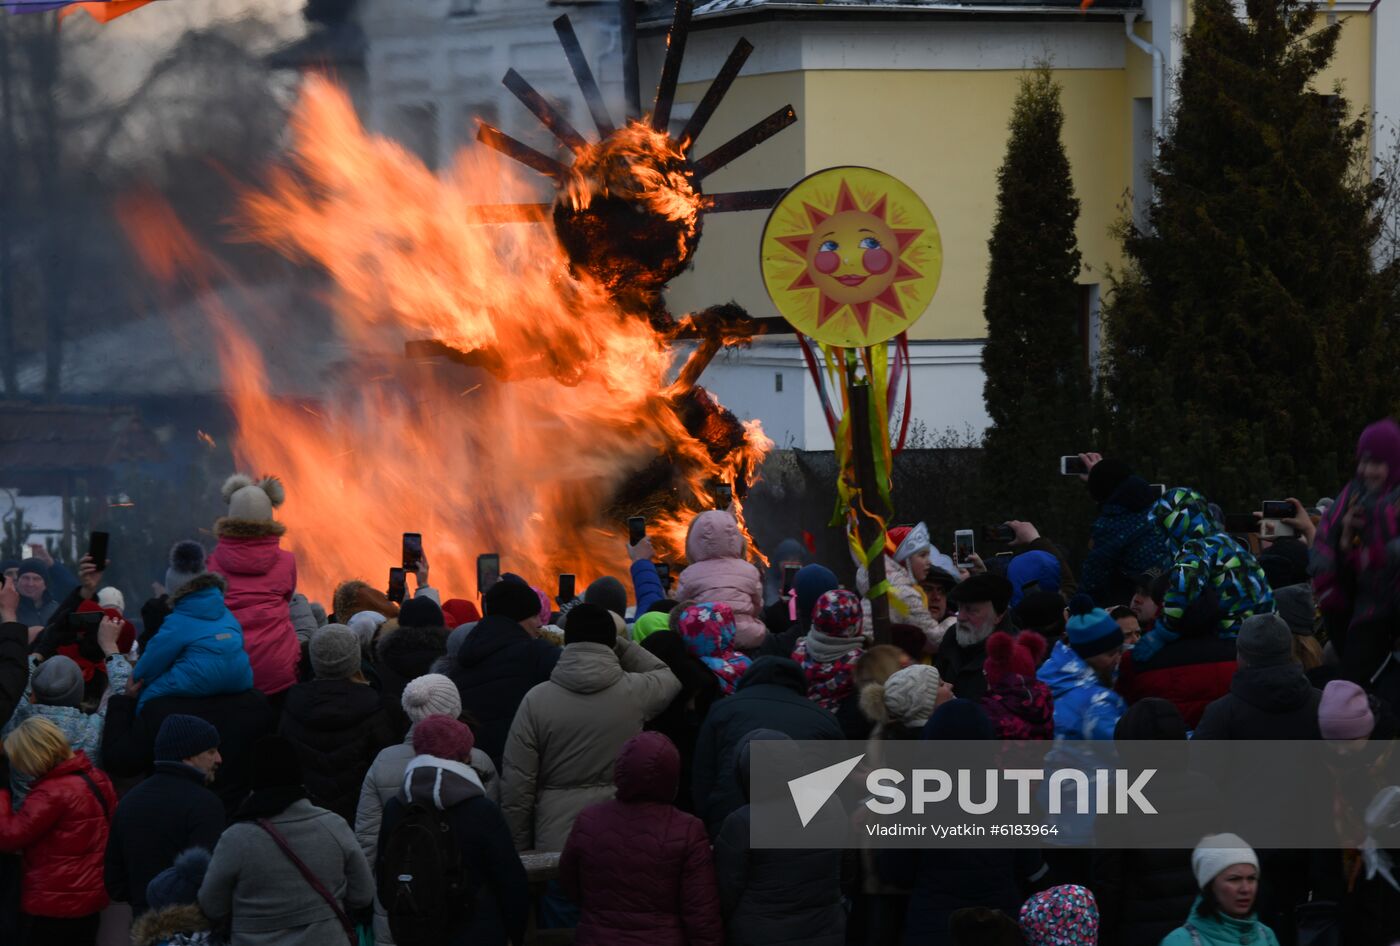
[853,503]
[103,11]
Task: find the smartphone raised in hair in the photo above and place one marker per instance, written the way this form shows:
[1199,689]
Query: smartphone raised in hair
[567,588]
[963,545]
[998,533]
[636,529]
[1278,509]
[398,585]
[488,571]
[97,548]
[412,551]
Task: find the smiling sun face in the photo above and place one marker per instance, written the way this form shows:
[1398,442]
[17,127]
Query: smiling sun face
[848,271]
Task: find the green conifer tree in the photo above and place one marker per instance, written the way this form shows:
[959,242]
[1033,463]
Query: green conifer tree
[1252,335]
[1037,387]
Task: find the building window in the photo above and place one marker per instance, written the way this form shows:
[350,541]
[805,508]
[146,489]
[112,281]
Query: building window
[416,128]
[1332,107]
[462,7]
[778,382]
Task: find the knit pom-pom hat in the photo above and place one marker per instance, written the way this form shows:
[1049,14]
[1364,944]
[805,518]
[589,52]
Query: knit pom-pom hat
[253,500]
[1013,656]
[1090,629]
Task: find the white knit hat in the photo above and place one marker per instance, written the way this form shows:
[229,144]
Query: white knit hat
[431,695]
[1217,852]
[910,694]
[110,597]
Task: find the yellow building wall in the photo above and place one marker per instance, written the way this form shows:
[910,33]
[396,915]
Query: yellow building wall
[726,264]
[1352,63]
[942,132]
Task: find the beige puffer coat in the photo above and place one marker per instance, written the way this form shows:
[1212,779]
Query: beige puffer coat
[568,732]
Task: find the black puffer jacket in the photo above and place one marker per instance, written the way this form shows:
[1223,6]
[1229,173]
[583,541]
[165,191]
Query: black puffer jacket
[337,727]
[945,881]
[14,675]
[128,739]
[405,655]
[1264,703]
[498,664]
[772,695]
[680,722]
[1144,890]
[776,897]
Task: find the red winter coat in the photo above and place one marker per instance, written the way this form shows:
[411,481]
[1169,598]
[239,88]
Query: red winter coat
[261,579]
[1191,672]
[639,868]
[62,831]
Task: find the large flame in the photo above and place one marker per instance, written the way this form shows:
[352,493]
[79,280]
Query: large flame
[525,468]
[639,164]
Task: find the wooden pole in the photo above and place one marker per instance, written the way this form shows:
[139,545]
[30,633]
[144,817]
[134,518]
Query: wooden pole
[866,527]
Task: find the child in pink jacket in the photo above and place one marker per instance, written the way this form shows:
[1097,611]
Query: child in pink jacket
[719,572]
[261,576]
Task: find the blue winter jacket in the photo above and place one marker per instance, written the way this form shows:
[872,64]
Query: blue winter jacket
[82,730]
[1126,544]
[198,650]
[1084,707]
[646,586]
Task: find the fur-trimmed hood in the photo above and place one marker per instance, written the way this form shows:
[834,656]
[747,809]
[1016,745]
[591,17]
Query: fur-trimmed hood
[201,582]
[227,528]
[159,926]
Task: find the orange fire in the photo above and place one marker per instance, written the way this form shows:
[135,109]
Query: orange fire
[639,164]
[524,465]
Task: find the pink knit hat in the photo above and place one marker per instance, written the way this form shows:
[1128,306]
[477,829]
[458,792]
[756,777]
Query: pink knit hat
[1344,712]
[444,737]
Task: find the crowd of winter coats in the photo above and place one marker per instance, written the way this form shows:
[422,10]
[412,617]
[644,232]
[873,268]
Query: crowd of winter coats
[587,762]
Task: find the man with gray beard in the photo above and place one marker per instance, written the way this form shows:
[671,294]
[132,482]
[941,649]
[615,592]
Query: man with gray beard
[982,603]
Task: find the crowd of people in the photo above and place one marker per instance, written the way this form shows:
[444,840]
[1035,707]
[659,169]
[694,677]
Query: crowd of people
[243,765]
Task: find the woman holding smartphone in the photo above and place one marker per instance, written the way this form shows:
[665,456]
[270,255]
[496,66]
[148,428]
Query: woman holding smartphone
[1356,556]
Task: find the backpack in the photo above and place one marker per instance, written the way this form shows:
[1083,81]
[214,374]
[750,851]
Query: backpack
[423,884]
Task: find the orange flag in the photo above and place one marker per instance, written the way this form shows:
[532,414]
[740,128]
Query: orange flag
[103,11]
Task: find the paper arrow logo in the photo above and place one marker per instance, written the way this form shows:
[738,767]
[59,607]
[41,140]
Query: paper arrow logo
[810,792]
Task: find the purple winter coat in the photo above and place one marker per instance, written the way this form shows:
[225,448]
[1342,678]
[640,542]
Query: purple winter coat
[718,572]
[639,868]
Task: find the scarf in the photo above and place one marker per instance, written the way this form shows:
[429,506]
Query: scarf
[708,632]
[829,666]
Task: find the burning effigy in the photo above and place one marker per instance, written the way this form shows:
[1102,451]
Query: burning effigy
[582,413]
